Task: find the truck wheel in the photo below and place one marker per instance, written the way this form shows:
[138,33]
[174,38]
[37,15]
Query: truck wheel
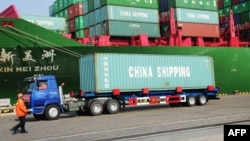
[191,101]
[39,116]
[96,108]
[202,100]
[112,106]
[52,112]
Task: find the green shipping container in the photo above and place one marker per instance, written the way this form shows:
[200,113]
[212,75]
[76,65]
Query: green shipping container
[79,24]
[66,13]
[99,72]
[65,3]
[80,33]
[60,5]
[51,23]
[194,4]
[244,6]
[128,29]
[91,5]
[151,4]
[236,9]
[221,12]
[197,16]
[227,3]
[227,11]
[56,9]
[122,13]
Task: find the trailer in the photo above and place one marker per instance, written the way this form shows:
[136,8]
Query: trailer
[110,82]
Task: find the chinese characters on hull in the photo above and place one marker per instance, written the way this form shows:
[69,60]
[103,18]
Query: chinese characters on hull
[9,58]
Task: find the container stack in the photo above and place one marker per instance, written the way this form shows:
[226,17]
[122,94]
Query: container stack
[241,14]
[72,11]
[91,18]
[196,18]
[121,18]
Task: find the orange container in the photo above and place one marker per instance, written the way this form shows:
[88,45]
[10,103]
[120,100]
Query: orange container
[199,30]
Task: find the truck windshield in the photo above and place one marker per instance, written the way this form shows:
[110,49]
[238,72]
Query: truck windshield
[28,87]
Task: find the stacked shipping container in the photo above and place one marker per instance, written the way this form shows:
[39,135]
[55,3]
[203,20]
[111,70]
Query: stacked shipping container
[241,14]
[121,18]
[72,11]
[109,17]
[196,18]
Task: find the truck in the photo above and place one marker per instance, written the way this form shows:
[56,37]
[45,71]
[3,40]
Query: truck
[110,82]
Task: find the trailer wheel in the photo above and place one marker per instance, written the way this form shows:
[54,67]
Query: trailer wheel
[96,108]
[52,112]
[112,106]
[39,116]
[202,100]
[191,101]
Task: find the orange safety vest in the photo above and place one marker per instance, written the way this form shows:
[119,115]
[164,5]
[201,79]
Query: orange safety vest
[20,108]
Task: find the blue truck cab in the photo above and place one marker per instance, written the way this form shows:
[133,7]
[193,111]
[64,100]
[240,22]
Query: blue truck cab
[42,96]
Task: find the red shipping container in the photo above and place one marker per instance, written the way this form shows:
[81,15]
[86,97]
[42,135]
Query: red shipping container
[71,25]
[220,4]
[199,30]
[78,9]
[71,12]
[235,2]
[86,32]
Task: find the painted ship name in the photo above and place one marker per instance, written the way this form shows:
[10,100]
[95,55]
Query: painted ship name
[29,69]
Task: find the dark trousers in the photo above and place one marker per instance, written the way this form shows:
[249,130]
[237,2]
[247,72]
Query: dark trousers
[21,124]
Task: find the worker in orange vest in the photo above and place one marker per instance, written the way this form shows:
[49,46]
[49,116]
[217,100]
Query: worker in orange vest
[21,113]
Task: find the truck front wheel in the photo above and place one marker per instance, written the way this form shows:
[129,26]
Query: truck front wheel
[52,112]
[112,106]
[96,108]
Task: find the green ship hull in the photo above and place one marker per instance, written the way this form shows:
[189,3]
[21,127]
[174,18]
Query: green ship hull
[28,49]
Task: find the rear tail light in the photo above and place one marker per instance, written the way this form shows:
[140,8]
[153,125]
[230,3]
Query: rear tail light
[210,88]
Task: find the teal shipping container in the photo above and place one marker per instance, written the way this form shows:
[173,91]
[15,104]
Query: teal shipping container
[51,23]
[194,4]
[103,72]
[122,13]
[128,29]
[151,4]
[197,16]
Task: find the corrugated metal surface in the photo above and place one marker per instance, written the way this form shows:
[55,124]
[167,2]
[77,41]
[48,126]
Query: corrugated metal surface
[119,28]
[199,30]
[91,18]
[52,23]
[194,4]
[197,16]
[97,16]
[152,4]
[122,13]
[227,3]
[103,72]
[79,22]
